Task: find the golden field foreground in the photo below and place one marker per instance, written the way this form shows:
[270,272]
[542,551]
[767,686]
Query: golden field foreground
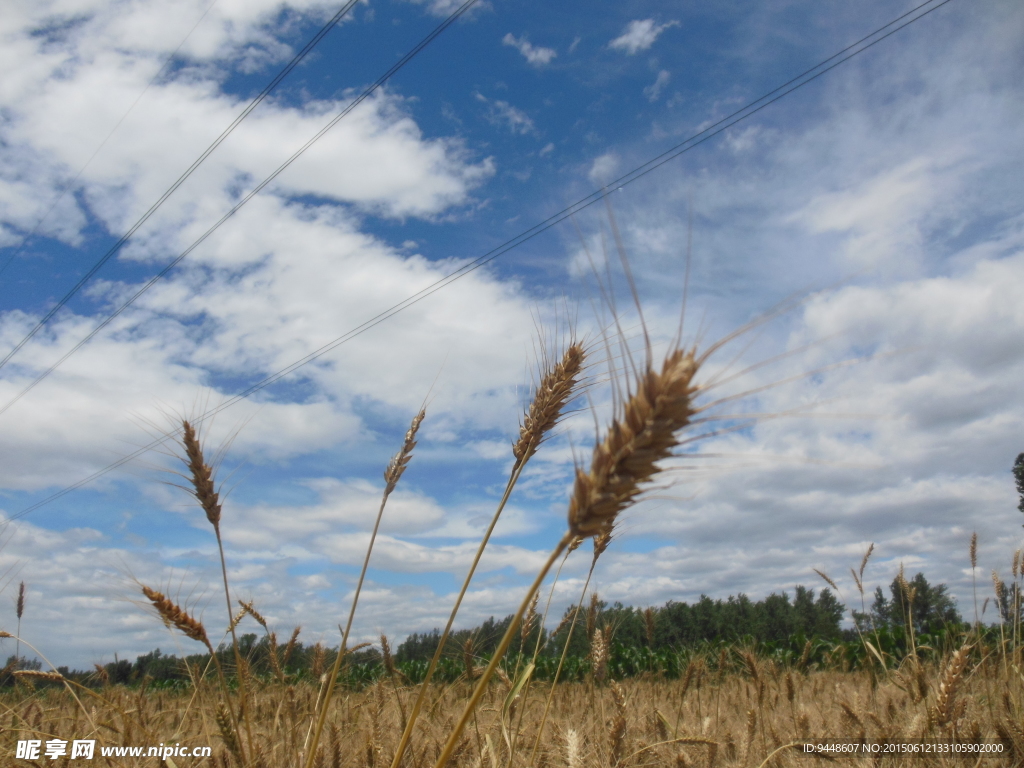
[751,717]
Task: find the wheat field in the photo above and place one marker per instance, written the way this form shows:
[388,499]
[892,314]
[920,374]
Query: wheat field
[751,712]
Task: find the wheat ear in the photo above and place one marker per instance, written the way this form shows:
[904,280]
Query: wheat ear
[175,616]
[555,390]
[20,606]
[205,492]
[944,703]
[644,433]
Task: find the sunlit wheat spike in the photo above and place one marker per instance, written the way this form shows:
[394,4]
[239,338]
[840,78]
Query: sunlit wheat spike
[944,702]
[998,585]
[236,619]
[227,731]
[599,656]
[642,435]
[248,607]
[573,750]
[201,475]
[602,539]
[5,634]
[290,648]
[530,618]
[864,561]
[387,658]
[826,578]
[399,461]
[35,674]
[175,616]
[974,550]
[554,392]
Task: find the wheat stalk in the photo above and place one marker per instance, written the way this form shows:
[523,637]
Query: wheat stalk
[554,391]
[205,492]
[642,434]
[392,474]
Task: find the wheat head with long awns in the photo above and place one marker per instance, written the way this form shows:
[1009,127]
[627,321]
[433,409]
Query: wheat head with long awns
[644,435]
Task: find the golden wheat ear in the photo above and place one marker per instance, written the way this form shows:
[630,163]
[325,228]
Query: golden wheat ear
[644,434]
[556,388]
[174,615]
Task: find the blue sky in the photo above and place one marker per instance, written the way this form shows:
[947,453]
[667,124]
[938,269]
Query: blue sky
[885,195]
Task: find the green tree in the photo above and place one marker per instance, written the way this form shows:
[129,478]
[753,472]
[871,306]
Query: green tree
[930,607]
[1018,475]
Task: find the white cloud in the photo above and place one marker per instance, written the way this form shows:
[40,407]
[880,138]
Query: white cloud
[502,113]
[535,55]
[604,168]
[653,91]
[639,35]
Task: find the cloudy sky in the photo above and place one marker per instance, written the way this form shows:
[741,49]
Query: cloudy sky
[883,200]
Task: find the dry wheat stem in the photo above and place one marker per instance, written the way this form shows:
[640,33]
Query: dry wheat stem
[403,743]
[392,474]
[499,652]
[643,434]
[554,391]
[201,476]
[537,646]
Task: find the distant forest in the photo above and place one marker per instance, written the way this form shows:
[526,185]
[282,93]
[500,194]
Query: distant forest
[774,623]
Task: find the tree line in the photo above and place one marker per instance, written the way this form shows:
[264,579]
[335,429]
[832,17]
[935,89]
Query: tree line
[777,621]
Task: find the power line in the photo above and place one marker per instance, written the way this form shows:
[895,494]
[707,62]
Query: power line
[695,140]
[77,176]
[252,193]
[180,180]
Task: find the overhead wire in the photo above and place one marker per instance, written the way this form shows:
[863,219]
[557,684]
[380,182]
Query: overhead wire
[296,60]
[753,107]
[249,196]
[60,196]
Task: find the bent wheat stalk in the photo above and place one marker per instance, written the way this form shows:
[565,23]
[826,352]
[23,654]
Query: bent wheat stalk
[556,389]
[644,433]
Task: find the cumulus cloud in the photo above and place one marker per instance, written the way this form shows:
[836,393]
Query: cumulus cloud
[604,168]
[639,35]
[653,91]
[535,55]
[502,113]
